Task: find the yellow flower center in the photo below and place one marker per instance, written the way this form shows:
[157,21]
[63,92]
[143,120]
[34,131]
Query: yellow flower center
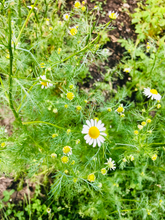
[94,132]
[77,4]
[110,164]
[3,144]
[112,16]
[44,83]
[153,91]
[70,95]
[136,132]
[73,31]
[66,16]
[120,109]
[91,177]
[103,171]
[64,159]
[154,157]
[66,149]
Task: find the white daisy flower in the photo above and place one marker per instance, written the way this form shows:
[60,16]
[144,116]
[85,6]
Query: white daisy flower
[94,131]
[111,164]
[66,17]
[45,84]
[30,7]
[153,93]
[127,70]
[113,15]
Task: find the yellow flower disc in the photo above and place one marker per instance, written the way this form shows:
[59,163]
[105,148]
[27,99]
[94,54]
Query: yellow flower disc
[64,159]
[153,91]
[120,109]
[77,4]
[44,83]
[112,16]
[66,149]
[70,95]
[91,177]
[73,31]
[94,132]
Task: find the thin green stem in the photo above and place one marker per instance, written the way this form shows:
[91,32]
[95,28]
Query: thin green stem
[11,72]
[4,89]
[25,97]
[41,122]
[25,23]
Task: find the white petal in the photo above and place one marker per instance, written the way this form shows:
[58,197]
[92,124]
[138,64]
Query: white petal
[102,129]
[92,122]
[94,143]
[104,134]
[88,123]
[84,132]
[101,139]
[99,143]
[42,86]
[86,137]
[95,122]
[99,123]
[85,126]
[91,141]
[100,126]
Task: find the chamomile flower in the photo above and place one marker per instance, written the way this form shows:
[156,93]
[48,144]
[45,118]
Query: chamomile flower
[48,210]
[104,171]
[148,120]
[153,93]
[3,144]
[91,177]
[77,4]
[112,15]
[136,132]
[83,8]
[47,21]
[143,123]
[67,150]
[78,108]
[54,135]
[59,50]
[77,141]
[158,106]
[154,157]
[53,155]
[70,95]
[111,164]
[127,70]
[73,31]
[140,127]
[30,7]
[65,159]
[66,17]
[50,28]
[42,65]
[120,109]
[109,109]
[94,131]
[45,84]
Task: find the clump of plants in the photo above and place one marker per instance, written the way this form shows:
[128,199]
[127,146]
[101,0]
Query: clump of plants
[106,156]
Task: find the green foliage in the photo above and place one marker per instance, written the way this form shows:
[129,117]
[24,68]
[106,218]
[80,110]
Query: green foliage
[42,68]
[149,19]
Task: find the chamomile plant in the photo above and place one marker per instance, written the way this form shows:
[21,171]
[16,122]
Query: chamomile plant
[103,153]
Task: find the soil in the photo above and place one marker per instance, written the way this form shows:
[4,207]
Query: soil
[123,29]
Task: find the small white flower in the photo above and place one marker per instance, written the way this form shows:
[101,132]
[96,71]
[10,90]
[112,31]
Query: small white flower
[111,164]
[66,17]
[45,84]
[94,131]
[140,127]
[30,7]
[127,70]
[153,93]
[120,109]
[113,15]
[48,210]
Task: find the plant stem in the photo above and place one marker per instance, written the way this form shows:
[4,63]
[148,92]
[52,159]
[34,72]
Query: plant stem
[10,72]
